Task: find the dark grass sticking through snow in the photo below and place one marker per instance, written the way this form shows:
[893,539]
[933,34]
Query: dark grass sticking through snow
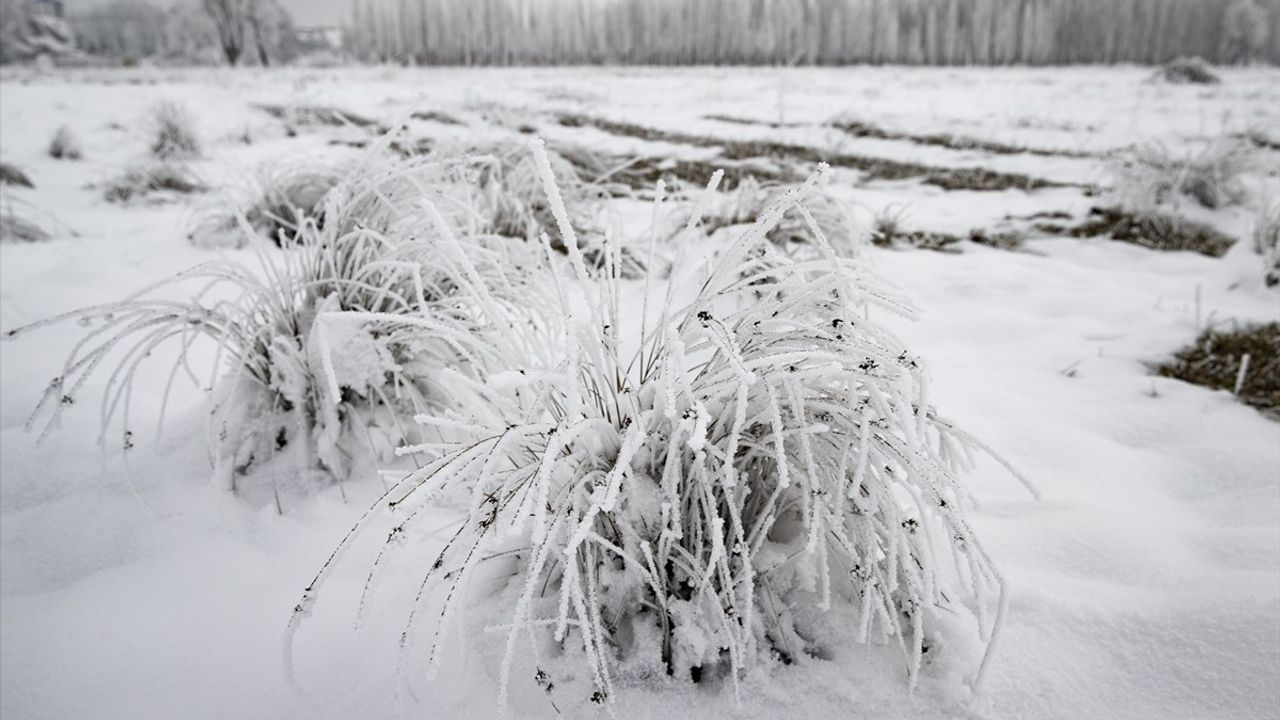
[17,229]
[320,115]
[436,116]
[1259,139]
[873,168]
[1186,70]
[12,175]
[1214,360]
[951,141]
[888,231]
[144,180]
[1150,229]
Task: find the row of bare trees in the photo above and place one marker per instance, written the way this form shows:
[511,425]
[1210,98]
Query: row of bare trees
[199,31]
[813,31]
[239,22]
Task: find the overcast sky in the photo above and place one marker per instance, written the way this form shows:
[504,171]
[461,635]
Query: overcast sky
[304,12]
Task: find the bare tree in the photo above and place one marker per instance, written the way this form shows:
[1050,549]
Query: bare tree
[230,19]
[262,18]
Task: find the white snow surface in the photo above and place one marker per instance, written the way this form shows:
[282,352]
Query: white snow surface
[1145,583]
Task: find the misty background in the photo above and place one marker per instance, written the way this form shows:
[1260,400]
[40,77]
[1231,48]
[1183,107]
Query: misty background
[652,32]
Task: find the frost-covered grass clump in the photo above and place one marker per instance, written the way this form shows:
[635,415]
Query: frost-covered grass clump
[328,348]
[760,451]
[64,145]
[173,133]
[1149,174]
[151,180]
[792,233]
[510,199]
[282,198]
[14,175]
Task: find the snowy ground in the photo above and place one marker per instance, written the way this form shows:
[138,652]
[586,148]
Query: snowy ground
[1146,582]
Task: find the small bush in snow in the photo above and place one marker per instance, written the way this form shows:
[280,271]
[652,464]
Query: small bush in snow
[1186,70]
[173,133]
[1146,175]
[767,451]
[64,145]
[352,329]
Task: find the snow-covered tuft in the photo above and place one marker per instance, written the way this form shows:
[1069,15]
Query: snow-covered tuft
[763,451]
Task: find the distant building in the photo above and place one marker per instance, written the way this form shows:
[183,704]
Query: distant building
[322,37]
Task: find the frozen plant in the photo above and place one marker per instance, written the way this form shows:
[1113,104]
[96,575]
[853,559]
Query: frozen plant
[283,196]
[510,198]
[1146,175]
[765,450]
[64,145]
[173,132]
[744,203]
[326,349]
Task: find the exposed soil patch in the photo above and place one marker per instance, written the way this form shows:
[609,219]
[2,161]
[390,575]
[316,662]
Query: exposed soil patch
[1216,357]
[873,168]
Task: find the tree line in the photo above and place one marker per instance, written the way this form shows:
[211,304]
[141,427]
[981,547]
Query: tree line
[194,31]
[935,32]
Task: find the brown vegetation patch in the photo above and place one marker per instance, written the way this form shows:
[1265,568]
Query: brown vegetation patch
[1214,360]
[873,168]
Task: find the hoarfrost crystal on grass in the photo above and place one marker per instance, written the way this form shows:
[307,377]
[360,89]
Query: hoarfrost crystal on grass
[344,332]
[768,450]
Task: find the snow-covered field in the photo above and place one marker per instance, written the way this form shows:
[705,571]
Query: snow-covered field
[1146,581]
